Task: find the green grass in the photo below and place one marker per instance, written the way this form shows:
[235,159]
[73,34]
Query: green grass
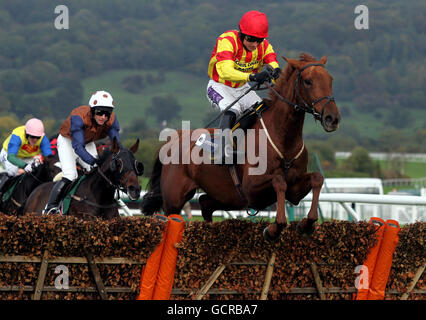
[415,169]
[411,169]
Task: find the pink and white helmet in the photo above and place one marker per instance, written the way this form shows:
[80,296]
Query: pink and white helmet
[101,99]
[34,127]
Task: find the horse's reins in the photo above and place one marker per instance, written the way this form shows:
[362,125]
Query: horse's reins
[308,108]
[304,107]
[117,188]
[15,202]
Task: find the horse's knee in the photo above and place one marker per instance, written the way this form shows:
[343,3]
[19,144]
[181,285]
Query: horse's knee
[317,180]
[279,183]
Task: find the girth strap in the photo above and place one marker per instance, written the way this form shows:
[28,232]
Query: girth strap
[233,172]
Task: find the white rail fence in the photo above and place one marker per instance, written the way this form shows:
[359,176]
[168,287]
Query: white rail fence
[416,182]
[341,206]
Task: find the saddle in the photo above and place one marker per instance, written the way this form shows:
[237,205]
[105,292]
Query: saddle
[248,118]
[10,186]
[69,194]
[245,121]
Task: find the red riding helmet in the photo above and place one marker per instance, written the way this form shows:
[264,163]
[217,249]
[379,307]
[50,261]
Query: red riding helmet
[254,23]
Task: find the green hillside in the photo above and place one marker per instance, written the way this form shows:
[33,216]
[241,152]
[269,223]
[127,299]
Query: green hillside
[379,73]
[187,88]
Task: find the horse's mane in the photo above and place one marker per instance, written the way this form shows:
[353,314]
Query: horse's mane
[107,152]
[283,81]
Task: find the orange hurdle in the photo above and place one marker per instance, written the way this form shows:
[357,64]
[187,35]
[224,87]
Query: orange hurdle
[158,274]
[379,259]
[166,273]
[150,271]
[384,261]
[370,261]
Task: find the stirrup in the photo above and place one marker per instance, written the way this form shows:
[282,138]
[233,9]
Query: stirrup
[51,211]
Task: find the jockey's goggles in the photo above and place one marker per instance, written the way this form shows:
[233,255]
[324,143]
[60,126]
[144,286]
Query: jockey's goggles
[106,113]
[253,39]
[32,137]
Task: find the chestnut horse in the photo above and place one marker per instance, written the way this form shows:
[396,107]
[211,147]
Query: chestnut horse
[94,196]
[303,87]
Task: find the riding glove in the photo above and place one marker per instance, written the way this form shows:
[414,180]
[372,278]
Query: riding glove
[28,168]
[98,162]
[276,73]
[260,77]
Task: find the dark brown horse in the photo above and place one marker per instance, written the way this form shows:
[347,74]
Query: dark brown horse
[17,189]
[303,87]
[94,196]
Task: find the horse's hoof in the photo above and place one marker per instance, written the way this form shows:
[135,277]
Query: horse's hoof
[306,233]
[268,236]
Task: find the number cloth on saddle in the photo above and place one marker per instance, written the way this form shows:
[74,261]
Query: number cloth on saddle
[245,121]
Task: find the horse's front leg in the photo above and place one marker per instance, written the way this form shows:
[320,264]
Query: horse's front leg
[309,181]
[273,231]
[277,180]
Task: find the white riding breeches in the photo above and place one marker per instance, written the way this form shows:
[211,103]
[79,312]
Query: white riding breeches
[68,157]
[10,168]
[221,96]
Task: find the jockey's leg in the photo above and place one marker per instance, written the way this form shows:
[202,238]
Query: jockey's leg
[10,168]
[3,180]
[220,97]
[56,195]
[67,157]
[90,148]
[226,125]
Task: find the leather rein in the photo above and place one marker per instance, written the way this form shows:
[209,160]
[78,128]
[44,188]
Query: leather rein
[305,106]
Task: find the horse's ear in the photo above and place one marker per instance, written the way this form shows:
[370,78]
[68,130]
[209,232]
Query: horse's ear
[135,147]
[115,146]
[323,60]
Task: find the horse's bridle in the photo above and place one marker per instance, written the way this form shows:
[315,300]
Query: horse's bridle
[308,108]
[115,158]
[117,187]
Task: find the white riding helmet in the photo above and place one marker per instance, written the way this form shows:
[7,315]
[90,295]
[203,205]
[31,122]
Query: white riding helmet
[101,99]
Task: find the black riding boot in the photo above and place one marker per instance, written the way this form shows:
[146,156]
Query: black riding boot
[55,197]
[3,181]
[227,123]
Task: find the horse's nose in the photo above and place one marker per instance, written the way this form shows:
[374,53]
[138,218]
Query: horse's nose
[331,122]
[134,192]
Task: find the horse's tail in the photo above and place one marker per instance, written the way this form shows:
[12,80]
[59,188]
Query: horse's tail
[152,201]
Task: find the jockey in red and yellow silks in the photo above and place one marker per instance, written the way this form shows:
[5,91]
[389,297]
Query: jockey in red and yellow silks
[231,64]
[237,58]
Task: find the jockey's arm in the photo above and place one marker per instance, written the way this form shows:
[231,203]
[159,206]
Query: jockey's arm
[45,147]
[12,152]
[13,159]
[270,59]
[114,130]
[226,71]
[78,140]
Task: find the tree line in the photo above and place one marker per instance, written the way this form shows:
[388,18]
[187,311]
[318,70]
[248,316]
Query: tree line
[380,71]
